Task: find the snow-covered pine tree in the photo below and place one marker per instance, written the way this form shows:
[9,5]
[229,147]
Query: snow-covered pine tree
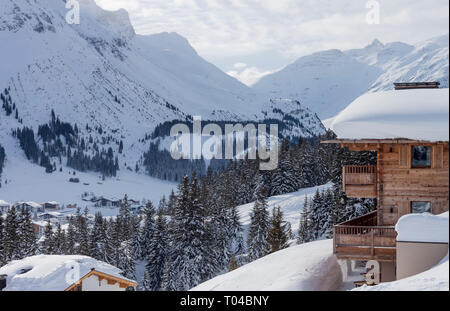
[169,280]
[147,230]
[59,241]
[84,247]
[279,232]
[284,177]
[47,246]
[97,237]
[2,254]
[11,238]
[28,242]
[71,237]
[304,234]
[156,258]
[257,243]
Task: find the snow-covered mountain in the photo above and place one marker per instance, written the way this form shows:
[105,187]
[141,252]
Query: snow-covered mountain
[328,81]
[115,86]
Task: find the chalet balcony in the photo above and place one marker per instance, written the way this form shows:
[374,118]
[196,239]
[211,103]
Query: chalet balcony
[360,181]
[362,239]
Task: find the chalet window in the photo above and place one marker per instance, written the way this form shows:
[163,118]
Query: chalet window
[421,156]
[420,207]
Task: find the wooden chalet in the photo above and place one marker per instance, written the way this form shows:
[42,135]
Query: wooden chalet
[410,176]
[96,281]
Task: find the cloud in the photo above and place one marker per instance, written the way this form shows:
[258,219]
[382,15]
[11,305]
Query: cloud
[225,31]
[250,75]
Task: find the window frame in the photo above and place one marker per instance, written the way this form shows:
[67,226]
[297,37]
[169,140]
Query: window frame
[421,166]
[411,206]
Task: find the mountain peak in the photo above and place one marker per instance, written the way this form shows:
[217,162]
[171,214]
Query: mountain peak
[376,44]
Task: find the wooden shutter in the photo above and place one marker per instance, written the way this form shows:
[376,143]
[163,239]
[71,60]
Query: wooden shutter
[404,156]
[438,156]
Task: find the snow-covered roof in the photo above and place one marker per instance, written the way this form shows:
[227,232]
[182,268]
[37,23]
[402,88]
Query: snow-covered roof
[4,203]
[423,228]
[417,114]
[51,202]
[30,203]
[52,272]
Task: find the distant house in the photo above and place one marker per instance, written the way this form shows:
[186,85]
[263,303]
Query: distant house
[32,207]
[4,206]
[63,273]
[71,205]
[104,202]
[52,205]
[39,227]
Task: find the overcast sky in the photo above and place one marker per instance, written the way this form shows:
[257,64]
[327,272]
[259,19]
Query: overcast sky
[249,38]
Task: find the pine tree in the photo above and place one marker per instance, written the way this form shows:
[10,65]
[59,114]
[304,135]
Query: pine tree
[47,244]
[2,251]
[147,230]
[28,242]
[59,241]
[257,243]
[280,231]
[156,258]
[304,227]
[71,238]
[284,177]
[11,238]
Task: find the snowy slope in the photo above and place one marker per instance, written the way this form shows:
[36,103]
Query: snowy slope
[51,272]
[290,204]
[435,279]
[102,74]
[306,267]
[328,81]
[73,67]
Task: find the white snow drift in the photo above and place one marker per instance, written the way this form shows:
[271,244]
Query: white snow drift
[306,267]
[435,279]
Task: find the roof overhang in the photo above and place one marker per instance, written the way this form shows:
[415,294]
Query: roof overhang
[374,144]
[123,283]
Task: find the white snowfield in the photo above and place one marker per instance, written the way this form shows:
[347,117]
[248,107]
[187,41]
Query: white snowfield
[306,267]
[420,114]
[51,272]
[435,279]
[433,228]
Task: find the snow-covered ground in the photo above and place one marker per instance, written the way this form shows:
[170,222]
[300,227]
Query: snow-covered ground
[435,279]
[291,205]
[306,267]
[29,182]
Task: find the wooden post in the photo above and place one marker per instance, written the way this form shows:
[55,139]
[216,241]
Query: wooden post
[372,242]
[334,240]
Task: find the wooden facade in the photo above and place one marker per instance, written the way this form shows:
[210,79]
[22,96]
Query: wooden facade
[397,184]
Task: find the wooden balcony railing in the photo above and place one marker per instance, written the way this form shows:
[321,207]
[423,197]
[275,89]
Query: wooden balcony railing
[362,239]
[359,181]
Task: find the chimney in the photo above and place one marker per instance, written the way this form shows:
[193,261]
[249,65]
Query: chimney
[416,85]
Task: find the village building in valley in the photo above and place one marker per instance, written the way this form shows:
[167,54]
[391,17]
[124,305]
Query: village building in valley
[408,129]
